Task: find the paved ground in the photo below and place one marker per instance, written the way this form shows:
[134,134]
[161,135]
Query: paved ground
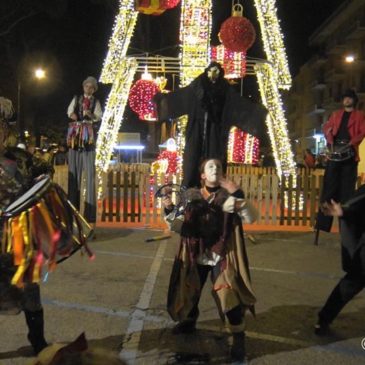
[119,301]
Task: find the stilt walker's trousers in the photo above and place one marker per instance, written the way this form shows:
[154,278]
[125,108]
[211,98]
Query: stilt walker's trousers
[79,161]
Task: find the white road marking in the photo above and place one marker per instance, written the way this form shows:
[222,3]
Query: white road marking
[135,327]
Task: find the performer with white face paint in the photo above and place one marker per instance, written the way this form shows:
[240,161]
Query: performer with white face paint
[212,242]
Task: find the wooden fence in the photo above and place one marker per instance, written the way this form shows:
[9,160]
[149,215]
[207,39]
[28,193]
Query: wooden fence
[128,195]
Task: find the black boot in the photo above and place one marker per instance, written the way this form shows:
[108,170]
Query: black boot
[35,323]
[187,326]
[238,352]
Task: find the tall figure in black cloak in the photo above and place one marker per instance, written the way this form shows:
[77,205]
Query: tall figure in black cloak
[213,106]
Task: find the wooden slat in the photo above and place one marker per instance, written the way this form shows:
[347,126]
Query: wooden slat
[125,195]
[133,196]
[259,199]
[298,198]
[267,187]
[117,195]
[275,189]
[290,199]
[140,195]
[282,200]
[110,196]
[305,200]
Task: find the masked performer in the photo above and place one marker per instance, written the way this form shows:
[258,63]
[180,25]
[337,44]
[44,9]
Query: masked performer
[344,132]
[85,113]
[352,220]
[213,107]
[212,242]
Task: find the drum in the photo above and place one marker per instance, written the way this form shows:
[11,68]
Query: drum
[340,151]
[42,227]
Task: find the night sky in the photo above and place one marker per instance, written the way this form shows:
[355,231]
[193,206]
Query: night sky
[70,39]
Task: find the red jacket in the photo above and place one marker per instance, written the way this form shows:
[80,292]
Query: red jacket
[356,127]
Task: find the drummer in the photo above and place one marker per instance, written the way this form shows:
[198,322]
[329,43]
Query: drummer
[13,299]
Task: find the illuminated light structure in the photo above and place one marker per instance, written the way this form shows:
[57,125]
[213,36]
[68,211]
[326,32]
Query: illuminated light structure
[195,29]
[276,122]
[119,71]
[273,41]
[113,114]
[234,63]
[124,25]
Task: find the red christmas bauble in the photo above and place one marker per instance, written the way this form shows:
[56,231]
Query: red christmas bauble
[140,99]
[169,4]
[237,34]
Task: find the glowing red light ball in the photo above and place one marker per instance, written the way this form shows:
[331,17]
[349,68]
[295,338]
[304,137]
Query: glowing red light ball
[140,99]
[237,34]
[169,4]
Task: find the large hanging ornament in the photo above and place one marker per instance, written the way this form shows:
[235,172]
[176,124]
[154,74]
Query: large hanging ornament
[237,32]
[140,99]
[155,7]
[234,63]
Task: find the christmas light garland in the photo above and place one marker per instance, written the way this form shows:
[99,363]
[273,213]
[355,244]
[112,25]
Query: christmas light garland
[273,40]
[113,114]
[123,29]
[276,122]
[195,29]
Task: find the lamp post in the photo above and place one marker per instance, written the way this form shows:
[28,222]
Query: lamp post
[38,74]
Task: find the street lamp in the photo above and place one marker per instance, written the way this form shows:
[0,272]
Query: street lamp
[38,74]
[350,58]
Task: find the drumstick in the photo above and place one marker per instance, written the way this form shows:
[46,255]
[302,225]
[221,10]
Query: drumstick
[157,238]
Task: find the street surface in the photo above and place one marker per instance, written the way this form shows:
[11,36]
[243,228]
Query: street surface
[119,299]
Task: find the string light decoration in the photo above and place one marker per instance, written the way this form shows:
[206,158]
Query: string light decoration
[172,159]
[140,99]
[113,114]
[123,29]
[276,122]
[242,147]
[234,63]
[273,41]
[195,29]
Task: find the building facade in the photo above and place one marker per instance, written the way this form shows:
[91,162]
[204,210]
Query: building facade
[339,64]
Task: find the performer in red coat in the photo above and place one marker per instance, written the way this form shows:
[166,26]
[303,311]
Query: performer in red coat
[344,132]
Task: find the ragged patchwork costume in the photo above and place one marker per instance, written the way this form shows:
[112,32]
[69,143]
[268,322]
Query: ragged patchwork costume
[25,296]
[212,241]
[35,224]
[81,141]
